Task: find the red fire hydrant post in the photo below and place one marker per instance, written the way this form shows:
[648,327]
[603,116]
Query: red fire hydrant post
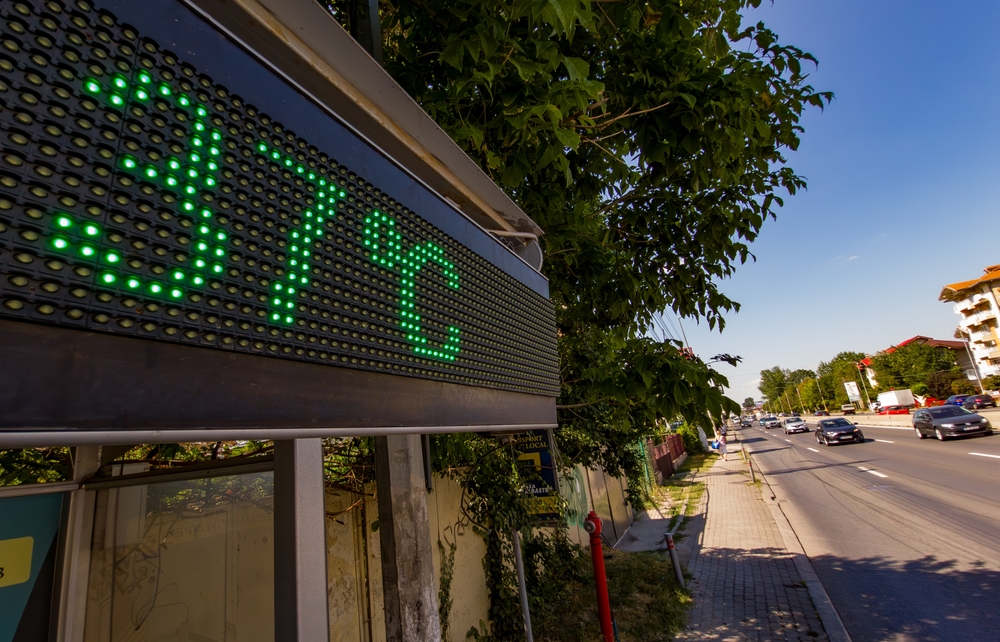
[593,526]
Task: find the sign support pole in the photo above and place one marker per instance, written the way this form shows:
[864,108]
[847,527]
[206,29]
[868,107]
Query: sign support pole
[301,612]
[522,585]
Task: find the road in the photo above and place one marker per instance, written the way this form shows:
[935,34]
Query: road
[904,533]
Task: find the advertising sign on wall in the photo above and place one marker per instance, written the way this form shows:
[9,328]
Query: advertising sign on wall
[541,478]
[28,527]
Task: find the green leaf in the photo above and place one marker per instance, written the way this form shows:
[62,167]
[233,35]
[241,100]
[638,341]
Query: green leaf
[453,53]
[577,68]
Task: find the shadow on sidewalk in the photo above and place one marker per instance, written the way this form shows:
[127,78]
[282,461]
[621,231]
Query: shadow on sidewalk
[750,594]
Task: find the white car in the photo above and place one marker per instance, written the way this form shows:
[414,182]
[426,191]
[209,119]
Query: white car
[770,422]
[795,424]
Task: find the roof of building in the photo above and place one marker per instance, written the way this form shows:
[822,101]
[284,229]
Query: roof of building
[921,340]
[958,290]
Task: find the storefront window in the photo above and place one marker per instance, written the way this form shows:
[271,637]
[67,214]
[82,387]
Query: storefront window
[184,561]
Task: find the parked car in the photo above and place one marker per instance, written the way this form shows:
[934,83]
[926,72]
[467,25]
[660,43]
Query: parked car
[975,402]
[770,422]
[848,409]
[795,424]
[949,421]
[894,410]
[955,400]
[821,413]
[838,431]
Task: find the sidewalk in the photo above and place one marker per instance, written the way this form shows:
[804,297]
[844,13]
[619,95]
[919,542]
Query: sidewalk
[746,585]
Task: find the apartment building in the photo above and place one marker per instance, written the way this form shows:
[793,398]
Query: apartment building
[976,305]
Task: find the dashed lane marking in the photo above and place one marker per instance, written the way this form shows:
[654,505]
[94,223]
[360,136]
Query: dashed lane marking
[985,455]
[885,441]
[812,449]
[873,472]
[789,440]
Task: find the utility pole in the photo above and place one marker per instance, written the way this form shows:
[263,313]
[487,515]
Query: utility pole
[819,388]
[800,398]
[861,375]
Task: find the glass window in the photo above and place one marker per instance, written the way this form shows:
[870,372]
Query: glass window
[184,560]
[948,411]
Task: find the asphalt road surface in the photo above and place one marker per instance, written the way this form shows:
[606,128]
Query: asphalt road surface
[904,533]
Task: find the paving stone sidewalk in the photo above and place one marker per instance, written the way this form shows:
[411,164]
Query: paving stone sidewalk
[746,585]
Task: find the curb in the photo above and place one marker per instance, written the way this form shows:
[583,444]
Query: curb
[834,626]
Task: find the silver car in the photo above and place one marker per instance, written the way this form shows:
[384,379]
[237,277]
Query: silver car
[770,422]
[795,424]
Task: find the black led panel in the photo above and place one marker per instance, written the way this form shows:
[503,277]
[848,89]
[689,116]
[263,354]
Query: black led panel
[140,197]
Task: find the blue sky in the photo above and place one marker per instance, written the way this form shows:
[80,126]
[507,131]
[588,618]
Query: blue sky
[904,189]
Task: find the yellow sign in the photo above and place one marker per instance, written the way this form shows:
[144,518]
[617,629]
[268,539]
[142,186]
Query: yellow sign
[15,560]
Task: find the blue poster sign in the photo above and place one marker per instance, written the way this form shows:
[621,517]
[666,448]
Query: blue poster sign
[28,528]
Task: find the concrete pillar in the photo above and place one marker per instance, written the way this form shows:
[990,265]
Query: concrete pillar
[409,589]
[301,613]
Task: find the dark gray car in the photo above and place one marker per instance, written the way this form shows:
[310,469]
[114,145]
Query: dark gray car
[838,431]
[949,421]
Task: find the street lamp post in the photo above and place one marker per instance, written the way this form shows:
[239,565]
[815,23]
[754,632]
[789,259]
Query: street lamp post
[800,398]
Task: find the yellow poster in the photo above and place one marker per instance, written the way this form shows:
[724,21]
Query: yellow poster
[15,560]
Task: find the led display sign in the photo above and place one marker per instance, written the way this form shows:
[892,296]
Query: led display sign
[139,196]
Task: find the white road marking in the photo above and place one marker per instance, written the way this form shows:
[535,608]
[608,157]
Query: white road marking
[985,455]
[812,449]
[789,440]
[873,472]
[885,441]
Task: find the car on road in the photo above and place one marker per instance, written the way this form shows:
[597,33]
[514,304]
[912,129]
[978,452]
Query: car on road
[848,409]
[944,422]
[838,431]
[821,413]
[745,422]
[975,402]
[955,400]
[894,410]
[795,424]
[769,422]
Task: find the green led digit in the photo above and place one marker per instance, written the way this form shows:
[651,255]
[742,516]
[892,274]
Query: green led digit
[387,249]
[190,173]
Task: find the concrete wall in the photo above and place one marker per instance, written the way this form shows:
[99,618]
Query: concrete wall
[588,490]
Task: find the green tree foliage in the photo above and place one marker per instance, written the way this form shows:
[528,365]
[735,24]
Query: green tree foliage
[749,403]
[963,386]
[35,466]
[648,140]
[911,364]
[773,382]
[834,373]
[795,377]
[991,382]
[939,383]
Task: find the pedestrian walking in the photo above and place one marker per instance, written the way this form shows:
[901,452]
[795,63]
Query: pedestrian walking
[723,449]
